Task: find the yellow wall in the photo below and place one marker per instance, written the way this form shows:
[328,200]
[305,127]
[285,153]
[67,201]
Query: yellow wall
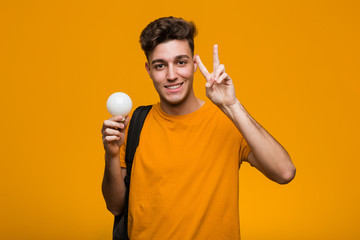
[296,69]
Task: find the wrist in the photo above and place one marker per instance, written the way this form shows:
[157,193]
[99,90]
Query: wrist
[111,157]
[229,109]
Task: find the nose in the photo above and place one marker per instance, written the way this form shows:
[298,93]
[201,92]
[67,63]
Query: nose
[171,73]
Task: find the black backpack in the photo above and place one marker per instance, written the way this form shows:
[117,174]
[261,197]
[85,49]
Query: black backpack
[132,141]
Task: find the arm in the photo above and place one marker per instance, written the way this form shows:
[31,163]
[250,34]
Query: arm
[267,155]
[113,186]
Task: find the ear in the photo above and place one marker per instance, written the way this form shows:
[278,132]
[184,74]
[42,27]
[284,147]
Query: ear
[195,63]
[147,67]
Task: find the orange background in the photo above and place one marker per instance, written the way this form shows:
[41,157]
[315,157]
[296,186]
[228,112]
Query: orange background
[295,65]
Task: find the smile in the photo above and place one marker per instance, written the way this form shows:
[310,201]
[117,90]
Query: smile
[174,87]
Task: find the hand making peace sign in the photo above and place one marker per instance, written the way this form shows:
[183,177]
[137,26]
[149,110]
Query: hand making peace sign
[219,86]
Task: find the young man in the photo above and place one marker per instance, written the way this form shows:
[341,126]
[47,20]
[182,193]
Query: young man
[186,168]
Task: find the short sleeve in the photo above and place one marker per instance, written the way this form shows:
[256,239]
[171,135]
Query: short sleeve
[244,150]
[122,155]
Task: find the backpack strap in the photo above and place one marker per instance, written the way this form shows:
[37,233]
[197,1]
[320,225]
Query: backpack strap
[132,141]
[133,136]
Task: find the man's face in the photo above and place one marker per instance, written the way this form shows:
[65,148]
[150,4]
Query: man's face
[171,67]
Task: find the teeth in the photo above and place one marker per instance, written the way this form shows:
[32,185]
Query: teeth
[174,87]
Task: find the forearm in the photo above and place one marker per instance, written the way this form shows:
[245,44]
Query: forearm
[269,156]
[113,186]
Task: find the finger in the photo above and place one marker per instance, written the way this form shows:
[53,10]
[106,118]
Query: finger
[127,120]
[202,68]
[210,82]
[112,124]
[117,118]
[111,132]
[220,70]
[222,78]
[216,61]
[111,138]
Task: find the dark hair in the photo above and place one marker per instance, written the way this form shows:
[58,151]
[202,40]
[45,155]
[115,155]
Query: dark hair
[166,29]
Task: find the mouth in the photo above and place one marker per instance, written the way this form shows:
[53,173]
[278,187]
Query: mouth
[174,87]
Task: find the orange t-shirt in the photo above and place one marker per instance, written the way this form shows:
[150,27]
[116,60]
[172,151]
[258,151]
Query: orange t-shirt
[184,180]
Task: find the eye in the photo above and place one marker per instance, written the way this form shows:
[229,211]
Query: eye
[182,62]
[159,66]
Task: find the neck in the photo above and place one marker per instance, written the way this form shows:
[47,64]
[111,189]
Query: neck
[191,104]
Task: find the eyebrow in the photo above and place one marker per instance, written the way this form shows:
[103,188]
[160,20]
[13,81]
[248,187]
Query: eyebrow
[176,58]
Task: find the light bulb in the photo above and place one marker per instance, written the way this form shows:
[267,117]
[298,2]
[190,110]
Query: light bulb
[119,104]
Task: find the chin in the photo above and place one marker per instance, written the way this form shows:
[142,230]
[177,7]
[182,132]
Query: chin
[173,102]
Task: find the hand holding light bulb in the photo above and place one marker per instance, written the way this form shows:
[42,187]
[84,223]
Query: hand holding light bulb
[113,129]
